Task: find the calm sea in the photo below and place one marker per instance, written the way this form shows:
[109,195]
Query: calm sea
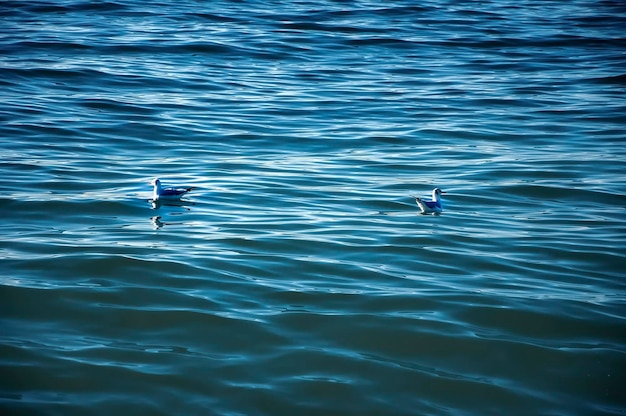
[298,277]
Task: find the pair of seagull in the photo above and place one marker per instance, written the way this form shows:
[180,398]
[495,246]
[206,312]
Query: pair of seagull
[433,206]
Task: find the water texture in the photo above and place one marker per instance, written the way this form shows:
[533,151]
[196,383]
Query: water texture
[298,277]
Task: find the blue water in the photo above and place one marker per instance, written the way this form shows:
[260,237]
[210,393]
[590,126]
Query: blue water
[298,277]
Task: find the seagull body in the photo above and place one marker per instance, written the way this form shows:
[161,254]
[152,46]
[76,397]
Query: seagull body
[431,207]
[167,193]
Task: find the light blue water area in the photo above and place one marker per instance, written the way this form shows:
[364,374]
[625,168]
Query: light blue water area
[298,277]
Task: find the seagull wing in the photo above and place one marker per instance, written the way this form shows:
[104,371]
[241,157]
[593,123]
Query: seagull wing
[174,192]
[432,204]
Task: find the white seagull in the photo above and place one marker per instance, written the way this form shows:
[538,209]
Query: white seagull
[431,207]
[167,193]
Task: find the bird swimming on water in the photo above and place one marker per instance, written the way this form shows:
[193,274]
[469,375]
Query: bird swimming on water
[431,207]
[167,193]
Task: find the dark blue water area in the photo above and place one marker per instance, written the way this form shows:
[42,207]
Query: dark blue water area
[298,276]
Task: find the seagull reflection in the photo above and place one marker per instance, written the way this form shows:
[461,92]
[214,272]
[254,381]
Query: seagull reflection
[156,221]
[158,203]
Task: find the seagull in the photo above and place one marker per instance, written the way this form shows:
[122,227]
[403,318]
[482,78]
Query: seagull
[167,193]
[430,207]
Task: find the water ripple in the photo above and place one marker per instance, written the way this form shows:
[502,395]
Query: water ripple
[299,277]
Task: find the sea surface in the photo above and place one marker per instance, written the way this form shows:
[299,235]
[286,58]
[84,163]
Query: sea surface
[298,277]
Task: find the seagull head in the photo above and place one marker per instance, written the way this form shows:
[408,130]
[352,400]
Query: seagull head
[155,181]
[437,194]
